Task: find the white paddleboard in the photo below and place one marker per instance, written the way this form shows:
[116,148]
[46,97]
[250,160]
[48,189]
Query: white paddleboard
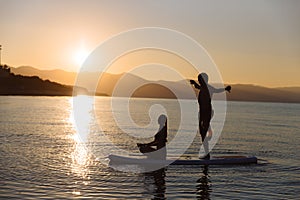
[220,160]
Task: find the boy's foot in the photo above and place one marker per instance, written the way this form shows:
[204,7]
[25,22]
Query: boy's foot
[207,157]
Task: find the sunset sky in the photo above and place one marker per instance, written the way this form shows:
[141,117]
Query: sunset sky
[255,41]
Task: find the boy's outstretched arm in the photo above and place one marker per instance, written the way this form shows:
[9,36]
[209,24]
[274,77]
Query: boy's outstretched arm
[196,85]
[219,90]
[228,88]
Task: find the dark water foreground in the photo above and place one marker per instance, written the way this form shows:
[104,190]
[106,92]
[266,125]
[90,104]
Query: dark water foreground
[41,157]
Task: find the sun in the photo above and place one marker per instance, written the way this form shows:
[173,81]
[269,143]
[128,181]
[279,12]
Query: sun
[79,56]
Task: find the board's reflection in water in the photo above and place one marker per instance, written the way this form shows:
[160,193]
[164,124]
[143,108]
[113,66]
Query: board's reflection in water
[203,186]
[155,183]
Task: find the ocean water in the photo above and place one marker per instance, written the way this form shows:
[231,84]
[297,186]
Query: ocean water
[43,156]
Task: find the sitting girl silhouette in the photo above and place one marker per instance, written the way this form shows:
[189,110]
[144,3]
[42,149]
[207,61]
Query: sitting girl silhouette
[160,140]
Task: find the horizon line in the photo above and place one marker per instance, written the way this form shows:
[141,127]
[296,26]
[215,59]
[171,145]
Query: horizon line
[232,83]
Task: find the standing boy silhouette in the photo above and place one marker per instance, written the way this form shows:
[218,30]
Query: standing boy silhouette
[205,107]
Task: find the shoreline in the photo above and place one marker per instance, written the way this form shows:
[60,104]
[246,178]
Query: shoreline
[67,95]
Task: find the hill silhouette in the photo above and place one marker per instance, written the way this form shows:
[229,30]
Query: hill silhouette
[107,83]
[57,75]
[262,94]
[154,91]
[11,84]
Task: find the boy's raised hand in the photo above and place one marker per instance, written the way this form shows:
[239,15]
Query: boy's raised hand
[228,88]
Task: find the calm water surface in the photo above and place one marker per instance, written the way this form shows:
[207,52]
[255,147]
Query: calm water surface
[43,157]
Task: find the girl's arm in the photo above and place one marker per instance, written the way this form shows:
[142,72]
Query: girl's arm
[154,143]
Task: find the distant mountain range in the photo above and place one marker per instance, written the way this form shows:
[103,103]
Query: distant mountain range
[57,75]
[33,86]
[12,84]
[240,92]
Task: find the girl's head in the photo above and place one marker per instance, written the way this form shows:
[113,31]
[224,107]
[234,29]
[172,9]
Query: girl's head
[162,119]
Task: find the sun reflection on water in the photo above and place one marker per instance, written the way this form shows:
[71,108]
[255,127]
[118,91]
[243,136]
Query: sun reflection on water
[82,106]
[80,158]
[80,155]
